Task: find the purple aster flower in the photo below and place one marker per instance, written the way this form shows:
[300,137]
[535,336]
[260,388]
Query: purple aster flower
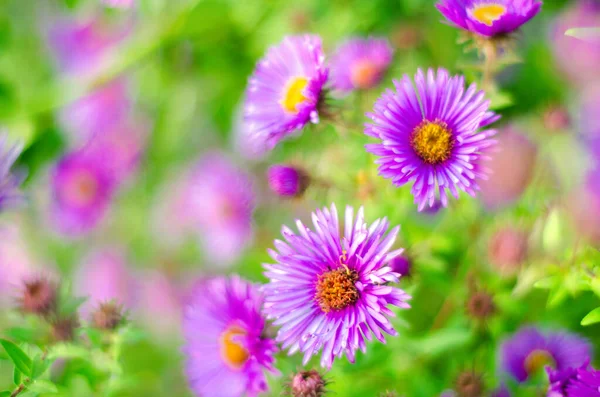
[10,195]
[284,92]
[329,291]
[432,135]
[104,276]
[529,350]
[221,203]
[489,18]
[82,190]
[360,63]
[581,382]
[401,265]
[579,59]
[227,352]
[287,181]
[159,296]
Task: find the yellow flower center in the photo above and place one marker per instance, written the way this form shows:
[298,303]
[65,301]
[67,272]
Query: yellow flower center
[488,13]
[336,289]
[82,188]
[233,353]
[432,141]
[293,95]
[537,360]
[364,74]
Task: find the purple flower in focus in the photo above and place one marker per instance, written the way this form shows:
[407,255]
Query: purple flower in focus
[579,59]
[360,63]
[221,203]
[82,190]
[489,18]
[530,350]
[432,135]
[287,181]
[284,92]
[227,352]
[581,382]
[10,194]
[329,291]
[104,276]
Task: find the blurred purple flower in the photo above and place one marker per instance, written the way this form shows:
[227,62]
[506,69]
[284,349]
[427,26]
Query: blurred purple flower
[284,91]
[438,146]
[82,190]
[489,18]
[360,63]
[287,181]
[83,47]
[16,262]
[501,391]
[529,350]
[96,113]
[120,147]
[227,352]
[119,3]
[578,58]
[590,119]
[511,167]
[329,292]
[584,207]
[10,194]
[221,203]
[159,304]
[104,276]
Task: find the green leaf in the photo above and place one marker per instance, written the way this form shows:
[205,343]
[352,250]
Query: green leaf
[17,356]
[592,317]
[70,305]
[17,375]
[39,366]
[21,334]
[42,386]
[6,393]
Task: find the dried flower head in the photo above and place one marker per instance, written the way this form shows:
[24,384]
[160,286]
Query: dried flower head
[38,296]
[470,384]
[108,316]
[480,305]
[63,328]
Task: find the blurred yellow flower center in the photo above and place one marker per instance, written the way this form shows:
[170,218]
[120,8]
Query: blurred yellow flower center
[336,290]
[233,353]
[488,13]
[293,95]
[537,360]
[432,141]
[82,188]
[364,74]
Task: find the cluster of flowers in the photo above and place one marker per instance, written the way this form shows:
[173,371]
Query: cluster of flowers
[106,138]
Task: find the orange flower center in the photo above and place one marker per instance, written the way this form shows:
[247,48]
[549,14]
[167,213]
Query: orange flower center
[537,360]
[432,141]
[233,353]
[488,13]
[364,74]
[82,188]
[293,95]
[336,289]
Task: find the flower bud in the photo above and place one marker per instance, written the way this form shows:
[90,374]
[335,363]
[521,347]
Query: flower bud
[108,316]
[38,296]
[307,384]
[469,384]
[287,181]
[480,305]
